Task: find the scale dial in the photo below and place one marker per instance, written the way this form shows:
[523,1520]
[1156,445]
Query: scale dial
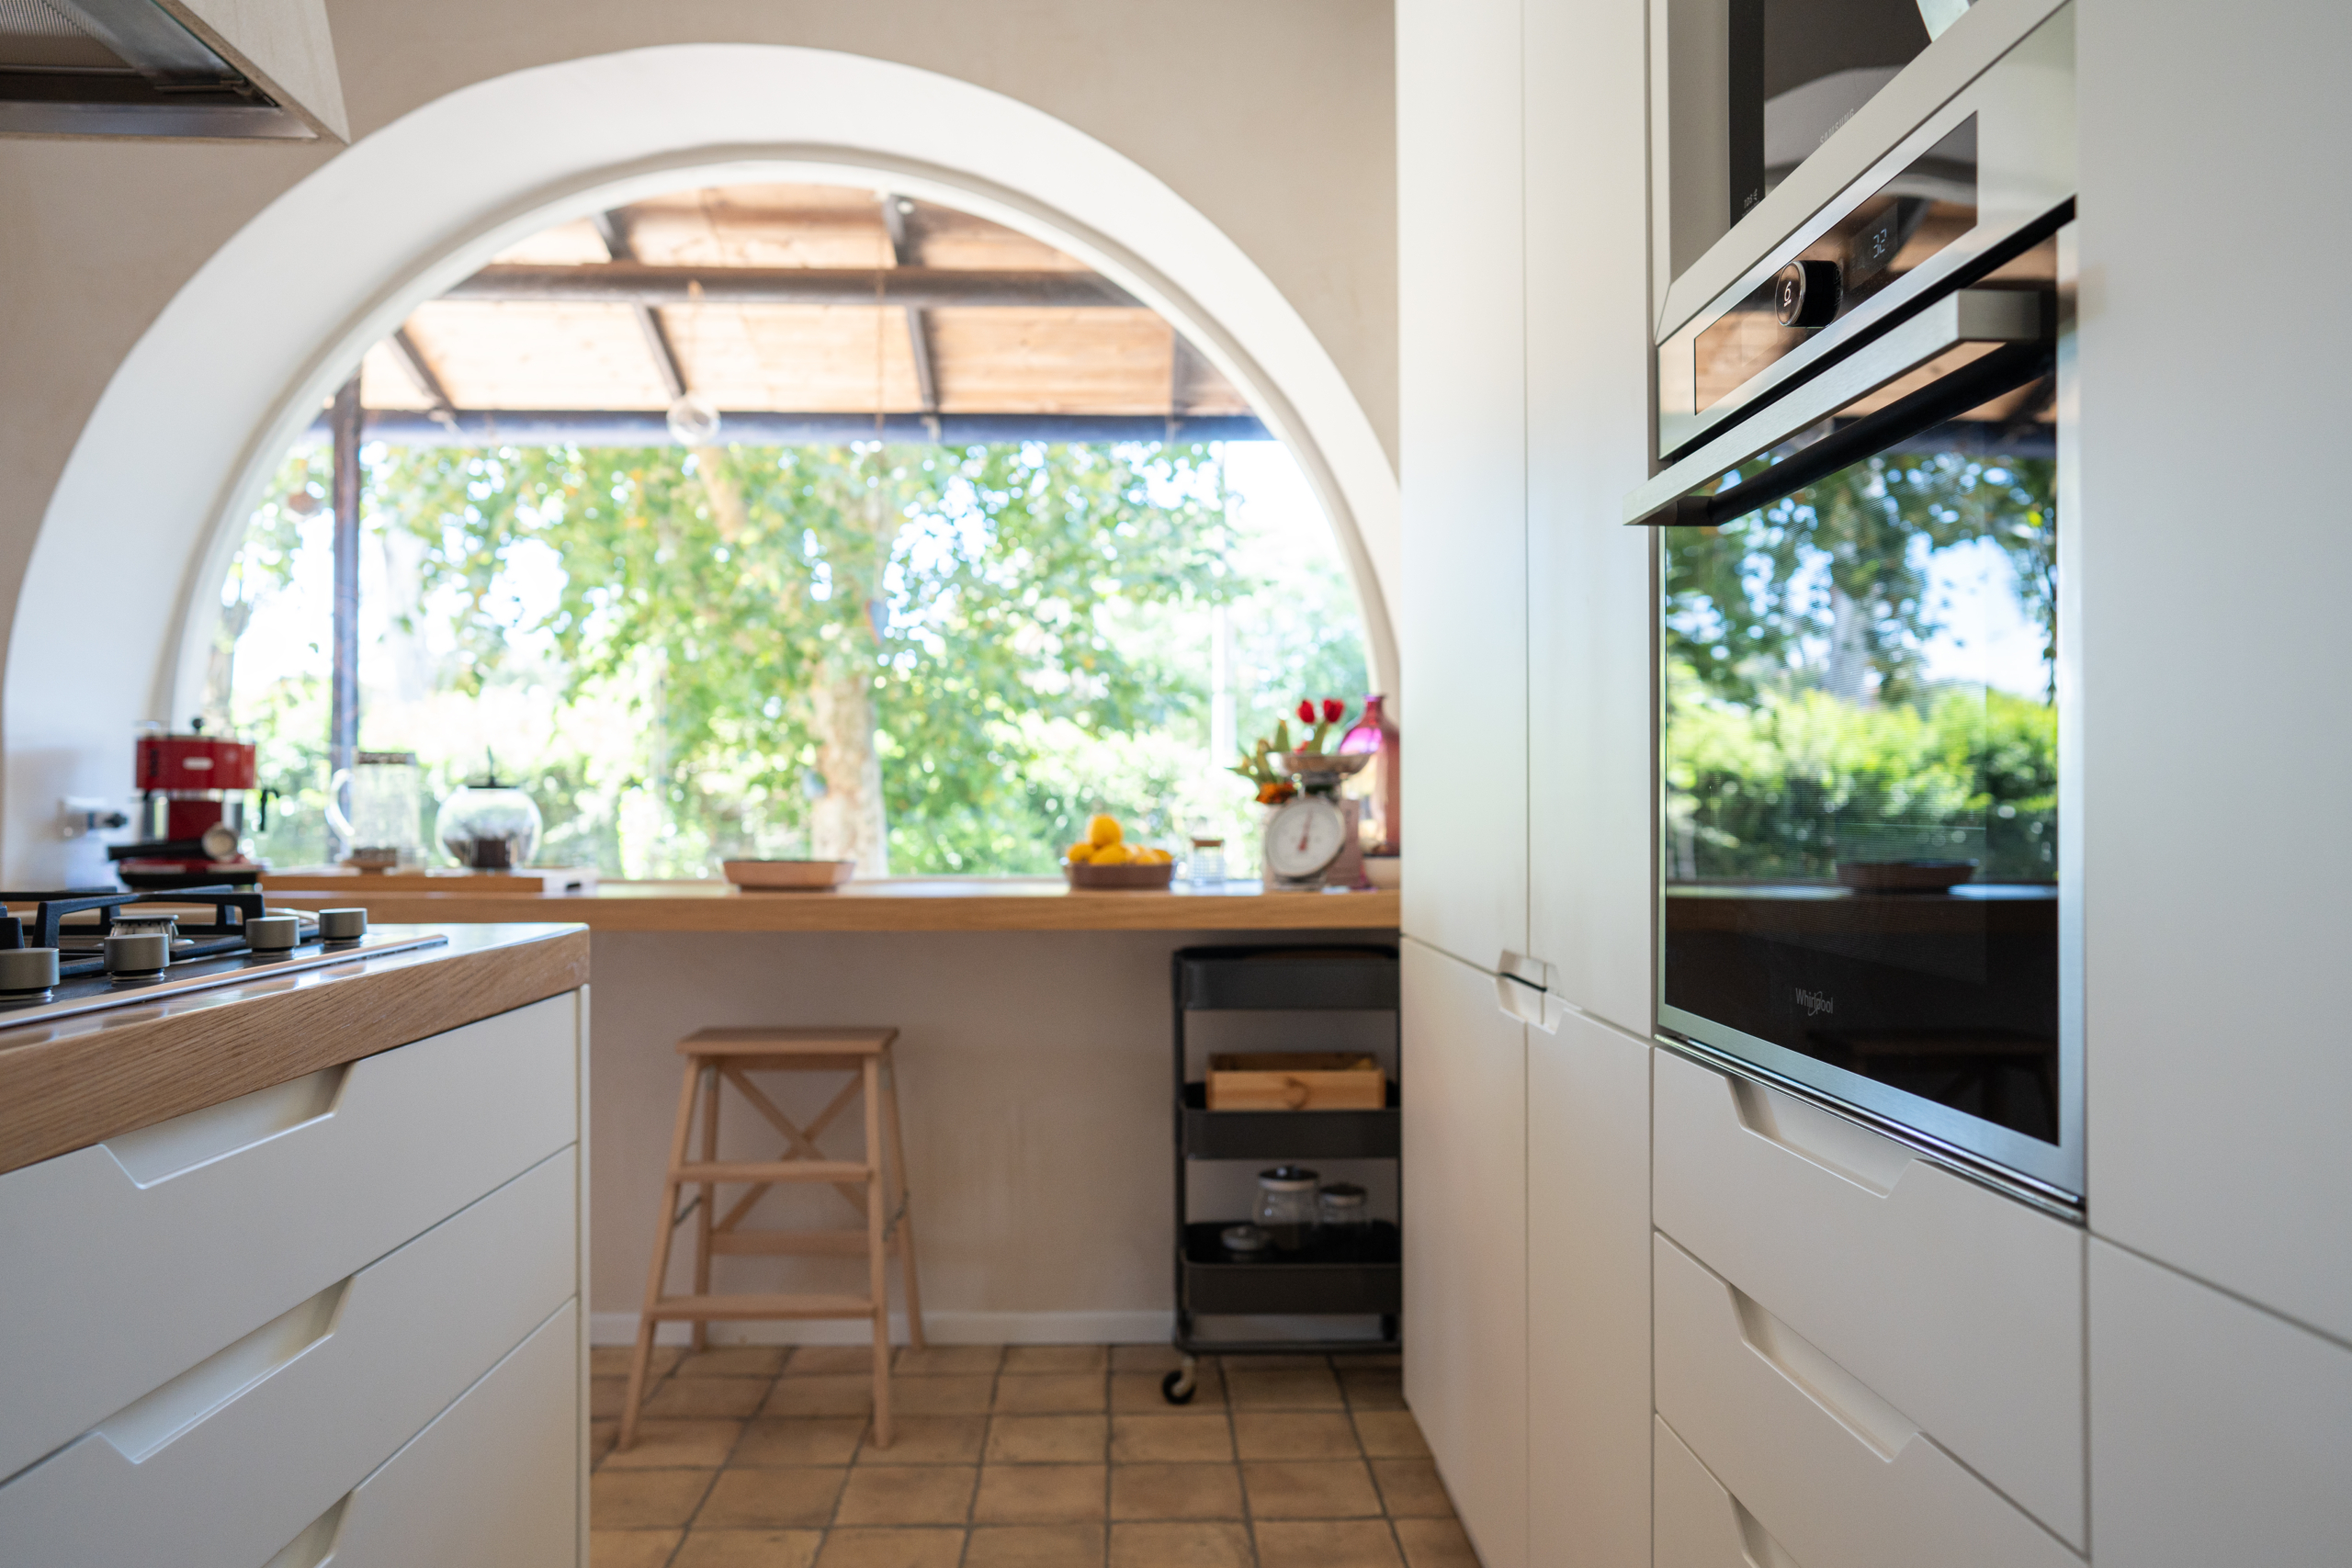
[1303,837]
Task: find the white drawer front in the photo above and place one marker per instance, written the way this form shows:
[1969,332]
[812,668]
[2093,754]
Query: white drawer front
[131,1260]
[1696,1523]
[224,1465]
[1838,1476]
[1961,1307]
[493,1482]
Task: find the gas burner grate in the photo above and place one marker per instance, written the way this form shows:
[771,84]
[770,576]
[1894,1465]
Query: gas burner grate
[224,934]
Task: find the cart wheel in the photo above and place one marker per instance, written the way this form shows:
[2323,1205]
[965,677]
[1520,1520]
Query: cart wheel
[1178,1387]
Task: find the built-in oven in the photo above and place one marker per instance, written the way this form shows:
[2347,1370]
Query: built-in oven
[1867,889]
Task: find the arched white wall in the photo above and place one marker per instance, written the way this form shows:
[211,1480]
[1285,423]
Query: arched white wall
[200,410]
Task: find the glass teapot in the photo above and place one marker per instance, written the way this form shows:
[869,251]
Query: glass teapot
[488,825]
[387,809]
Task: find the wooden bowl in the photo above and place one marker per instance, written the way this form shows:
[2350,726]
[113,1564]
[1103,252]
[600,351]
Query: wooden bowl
[1131,878]
[790,876]
[1904,875]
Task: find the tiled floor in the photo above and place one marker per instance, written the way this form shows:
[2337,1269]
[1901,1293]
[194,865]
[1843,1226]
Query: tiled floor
[1028,1456]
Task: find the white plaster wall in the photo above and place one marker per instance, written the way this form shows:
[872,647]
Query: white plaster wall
[1261,135]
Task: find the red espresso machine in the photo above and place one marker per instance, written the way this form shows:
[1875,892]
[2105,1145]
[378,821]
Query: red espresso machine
[194,824]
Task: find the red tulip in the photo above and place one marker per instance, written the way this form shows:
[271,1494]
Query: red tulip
[1332,708]
[1306,710]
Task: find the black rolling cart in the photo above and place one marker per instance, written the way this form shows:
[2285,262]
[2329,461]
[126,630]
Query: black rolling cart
[1328,1277]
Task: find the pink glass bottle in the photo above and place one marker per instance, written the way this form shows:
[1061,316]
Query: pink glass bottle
[1375,732]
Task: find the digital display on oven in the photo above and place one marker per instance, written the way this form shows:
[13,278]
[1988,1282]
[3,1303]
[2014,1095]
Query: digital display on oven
[1860,823]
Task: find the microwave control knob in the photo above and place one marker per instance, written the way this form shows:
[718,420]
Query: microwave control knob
[1806,294]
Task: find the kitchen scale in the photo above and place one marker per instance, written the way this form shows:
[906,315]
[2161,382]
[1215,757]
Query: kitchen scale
[1310,842]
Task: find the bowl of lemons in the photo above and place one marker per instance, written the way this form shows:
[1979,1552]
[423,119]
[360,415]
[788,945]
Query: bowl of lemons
[1105,859]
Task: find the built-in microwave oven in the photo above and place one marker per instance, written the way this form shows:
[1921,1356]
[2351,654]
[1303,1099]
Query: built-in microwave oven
[1867,893]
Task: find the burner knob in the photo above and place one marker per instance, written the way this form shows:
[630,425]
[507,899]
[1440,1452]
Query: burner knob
[273,933]
[1806,294]
[139,953]
[343,925]
[28,971]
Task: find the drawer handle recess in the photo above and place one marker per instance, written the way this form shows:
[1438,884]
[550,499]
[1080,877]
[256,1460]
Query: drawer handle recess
[1756,1542]
[1819,1137]
[175,1147]
[1851,1403]
[316,1544]
[149,1423]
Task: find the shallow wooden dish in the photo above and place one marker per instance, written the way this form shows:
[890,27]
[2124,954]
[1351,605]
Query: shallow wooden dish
[788,875]
[1132,877]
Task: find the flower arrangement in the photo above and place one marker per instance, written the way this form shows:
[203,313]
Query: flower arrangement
[1274,784]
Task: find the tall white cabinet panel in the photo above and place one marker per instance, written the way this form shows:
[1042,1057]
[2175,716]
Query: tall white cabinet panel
[2219,1432]
[1961,1307]
[1588,1296]
[1588,576]
[2213,662]
[1463,426]
[1466,1244]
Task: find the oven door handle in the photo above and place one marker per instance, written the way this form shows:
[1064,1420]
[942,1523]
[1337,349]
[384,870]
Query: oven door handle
[2019,323]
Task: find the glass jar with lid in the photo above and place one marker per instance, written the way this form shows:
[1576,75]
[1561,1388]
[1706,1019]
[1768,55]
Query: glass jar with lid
[1343,1212]
[1287,1206]
[489,825]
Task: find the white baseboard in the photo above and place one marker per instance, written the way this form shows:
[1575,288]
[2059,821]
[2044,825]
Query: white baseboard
[942,1327]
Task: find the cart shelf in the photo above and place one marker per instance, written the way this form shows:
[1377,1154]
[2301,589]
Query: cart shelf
[1364,1277]
[1287,1134]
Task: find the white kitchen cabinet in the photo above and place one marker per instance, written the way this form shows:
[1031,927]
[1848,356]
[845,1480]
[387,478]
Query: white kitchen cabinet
[1462,423]
[2212,679]
[1466,1244]
[2220,1433]
[1589,605]
[1588,1296]
[1700,1524]
[1960,1306]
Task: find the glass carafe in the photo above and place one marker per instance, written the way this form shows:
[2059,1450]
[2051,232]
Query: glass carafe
[387,794]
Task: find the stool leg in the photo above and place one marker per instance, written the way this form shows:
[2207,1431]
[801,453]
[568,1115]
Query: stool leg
[878,1263]
[703,1209]
[899,1202]
[663,1227]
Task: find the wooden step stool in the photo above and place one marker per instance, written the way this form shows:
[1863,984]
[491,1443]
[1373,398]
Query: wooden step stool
[731,1055]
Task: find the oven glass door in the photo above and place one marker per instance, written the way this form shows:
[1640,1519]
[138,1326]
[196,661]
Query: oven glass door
[1859,825]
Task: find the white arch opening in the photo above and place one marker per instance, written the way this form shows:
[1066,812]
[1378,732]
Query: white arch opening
[182,439]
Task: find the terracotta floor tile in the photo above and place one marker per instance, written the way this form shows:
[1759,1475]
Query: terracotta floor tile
[907,1494]
[748,1549]
[1391,1434]
[1031,1359]
[1435,1543]
[802,1439]
[1039,1494]
[1410,1488]
[785,1498]
[929,1440]
[891,1549]
[734,1361]
[1175,1492]
[954,1394]
[600,1440]
[1191,1545]
[1373,1388]
[933,1359]
[1309,1489]
[1058,1393]
[707,1397]
[1137,1440]
[631,1549]
[1281,1388]
[645,1499]
[1326,1543]
[1139,1392]
[1281,1363]
[840,1394]
[1146,1357]
[1046,1439]
[679,1445]
[1390,1360]
[1036,1546]
[606,1396]
[612,1360]
[1292,1434]
[822,1359]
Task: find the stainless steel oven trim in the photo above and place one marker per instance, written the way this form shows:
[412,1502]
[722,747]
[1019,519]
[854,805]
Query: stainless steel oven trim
[2024,108]
[2052,1176]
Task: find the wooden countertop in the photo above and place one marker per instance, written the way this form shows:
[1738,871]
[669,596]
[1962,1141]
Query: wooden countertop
[71,1081]
[890,903]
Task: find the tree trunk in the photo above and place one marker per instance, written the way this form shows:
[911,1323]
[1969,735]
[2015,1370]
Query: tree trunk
[846,822]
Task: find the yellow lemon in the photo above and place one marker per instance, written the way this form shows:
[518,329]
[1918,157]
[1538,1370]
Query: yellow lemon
[1113,855]
[1079,853]
[1103,831]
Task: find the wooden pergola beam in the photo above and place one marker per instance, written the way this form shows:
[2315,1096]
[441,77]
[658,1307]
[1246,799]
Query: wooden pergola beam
[611,230]
[633,283]
[756,427]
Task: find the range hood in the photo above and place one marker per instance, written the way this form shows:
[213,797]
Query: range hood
[237,69]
